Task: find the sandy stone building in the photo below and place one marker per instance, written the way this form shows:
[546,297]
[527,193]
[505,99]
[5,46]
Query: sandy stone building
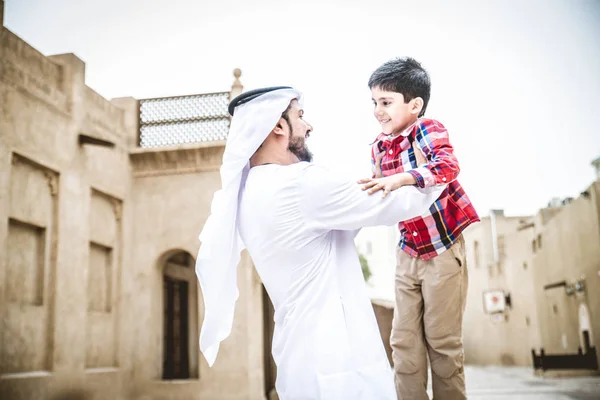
[539,279]
[101,203]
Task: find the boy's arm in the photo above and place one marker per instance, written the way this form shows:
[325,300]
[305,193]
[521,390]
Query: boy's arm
[442,167]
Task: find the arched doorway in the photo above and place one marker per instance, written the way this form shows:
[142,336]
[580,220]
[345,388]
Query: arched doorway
[180,318]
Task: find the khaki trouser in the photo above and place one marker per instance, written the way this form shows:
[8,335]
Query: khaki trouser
[430,302]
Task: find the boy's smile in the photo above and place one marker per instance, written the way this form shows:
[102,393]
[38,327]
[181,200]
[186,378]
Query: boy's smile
[392,112]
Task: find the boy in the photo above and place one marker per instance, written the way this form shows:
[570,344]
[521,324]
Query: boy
[431,272]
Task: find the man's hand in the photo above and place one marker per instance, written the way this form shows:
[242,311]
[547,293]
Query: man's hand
[388,183]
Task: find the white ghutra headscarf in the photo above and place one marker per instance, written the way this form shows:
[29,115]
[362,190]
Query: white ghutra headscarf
[256,114]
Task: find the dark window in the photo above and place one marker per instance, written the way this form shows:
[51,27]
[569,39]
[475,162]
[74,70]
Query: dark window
[175,357]
[180,318]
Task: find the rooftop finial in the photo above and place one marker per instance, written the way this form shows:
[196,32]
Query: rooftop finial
[237,88]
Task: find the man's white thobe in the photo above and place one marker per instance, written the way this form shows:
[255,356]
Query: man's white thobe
[298,223]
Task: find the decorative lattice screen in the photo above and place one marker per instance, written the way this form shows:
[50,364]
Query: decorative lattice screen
[170,121]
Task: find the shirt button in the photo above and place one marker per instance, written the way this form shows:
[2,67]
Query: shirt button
[391,151]
[444,179]
[415,233]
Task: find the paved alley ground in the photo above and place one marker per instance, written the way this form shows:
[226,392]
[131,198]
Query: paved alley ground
[517,383]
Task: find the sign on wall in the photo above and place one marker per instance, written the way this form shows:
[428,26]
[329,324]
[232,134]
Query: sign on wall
[494,301]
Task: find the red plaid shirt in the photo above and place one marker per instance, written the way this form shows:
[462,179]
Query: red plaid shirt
[434,232]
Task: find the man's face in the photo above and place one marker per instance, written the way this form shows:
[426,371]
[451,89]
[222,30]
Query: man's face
[299,131]
[392,112]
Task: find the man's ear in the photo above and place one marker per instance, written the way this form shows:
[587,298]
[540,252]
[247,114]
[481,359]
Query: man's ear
[278,130]
[417,105]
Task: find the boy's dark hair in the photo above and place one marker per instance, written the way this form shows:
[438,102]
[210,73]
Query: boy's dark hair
[403,75]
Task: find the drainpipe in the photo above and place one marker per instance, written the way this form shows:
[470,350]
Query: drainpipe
[495,233]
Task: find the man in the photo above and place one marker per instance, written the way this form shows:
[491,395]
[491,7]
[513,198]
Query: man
[298,222]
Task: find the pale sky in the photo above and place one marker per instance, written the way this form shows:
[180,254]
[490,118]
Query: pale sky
[517,83]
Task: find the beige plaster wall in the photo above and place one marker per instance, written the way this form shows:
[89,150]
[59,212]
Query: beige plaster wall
[558,244]
[169,209]
[570,252]
[491,340]
[61,320]
[84,232]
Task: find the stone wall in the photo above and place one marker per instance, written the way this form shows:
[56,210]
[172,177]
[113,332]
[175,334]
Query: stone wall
[384,313]
[88,229]
[170,186]
[490,340]
[557,245]
[60,210]
[568,249]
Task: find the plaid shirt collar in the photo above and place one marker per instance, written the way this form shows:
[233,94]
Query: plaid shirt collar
[382,137]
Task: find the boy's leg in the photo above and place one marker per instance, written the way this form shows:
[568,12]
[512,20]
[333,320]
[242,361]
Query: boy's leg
[444,294]
[407,340]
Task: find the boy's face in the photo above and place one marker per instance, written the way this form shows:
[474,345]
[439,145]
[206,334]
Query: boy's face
[392,112]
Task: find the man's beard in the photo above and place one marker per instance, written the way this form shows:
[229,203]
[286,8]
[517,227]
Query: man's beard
[297,146]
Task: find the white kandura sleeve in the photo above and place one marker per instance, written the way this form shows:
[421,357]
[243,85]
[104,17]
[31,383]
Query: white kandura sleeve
[330,201]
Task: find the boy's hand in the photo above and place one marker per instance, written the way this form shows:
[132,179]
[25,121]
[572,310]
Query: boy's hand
[387,184]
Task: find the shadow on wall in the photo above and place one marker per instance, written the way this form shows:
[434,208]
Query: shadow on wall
[72,394]
[507,360]
[80,394]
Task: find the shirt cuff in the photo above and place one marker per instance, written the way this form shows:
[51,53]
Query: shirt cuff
[423,176]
